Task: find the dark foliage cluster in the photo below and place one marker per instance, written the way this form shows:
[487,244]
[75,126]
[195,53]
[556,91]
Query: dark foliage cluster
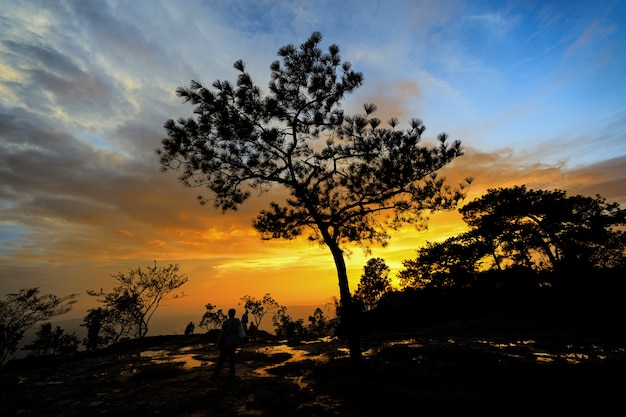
[529,256]
[51,341]
[22,310]
[528,230]
[593,310]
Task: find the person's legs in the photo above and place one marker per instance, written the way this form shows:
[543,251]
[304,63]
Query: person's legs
[220,363]
[231,361]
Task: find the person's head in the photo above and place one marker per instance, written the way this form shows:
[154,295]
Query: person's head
[231,313]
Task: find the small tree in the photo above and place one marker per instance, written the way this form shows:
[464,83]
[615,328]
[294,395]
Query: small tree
[374,283]
[53,342]
[212,319]
[285,325]
[135,299]
[102,328]
[259,308]
[348,179]
[454,262]
[318,323]
[20,311]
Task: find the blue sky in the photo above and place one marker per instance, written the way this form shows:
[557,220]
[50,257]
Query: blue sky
[534,89]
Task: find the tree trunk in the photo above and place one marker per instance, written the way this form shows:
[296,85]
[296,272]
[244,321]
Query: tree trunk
[349,313]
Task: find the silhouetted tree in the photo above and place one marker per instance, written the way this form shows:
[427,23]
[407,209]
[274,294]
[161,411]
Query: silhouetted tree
[515,228]
[53,342]
[212,319]
[285,325]
[137,296]
[549,230]
[103,328]
[20,311]
[319,324]
[349,179]
[451,263]
[374,283]
[259,308]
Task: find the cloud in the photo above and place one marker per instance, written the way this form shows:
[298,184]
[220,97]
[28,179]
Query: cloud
[606,178]
[81,202]
[391,100]
[592,34]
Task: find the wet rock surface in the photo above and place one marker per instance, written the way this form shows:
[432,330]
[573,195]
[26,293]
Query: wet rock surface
[403,376]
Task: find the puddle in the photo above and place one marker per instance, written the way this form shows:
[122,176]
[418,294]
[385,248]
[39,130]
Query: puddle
[295,355]
[190,360]
[318,350]
[526,349]
[530,349]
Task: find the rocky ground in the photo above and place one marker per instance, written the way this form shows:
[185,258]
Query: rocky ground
[408,375]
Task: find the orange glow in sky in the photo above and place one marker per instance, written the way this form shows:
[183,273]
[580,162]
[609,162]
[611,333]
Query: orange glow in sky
[534,90]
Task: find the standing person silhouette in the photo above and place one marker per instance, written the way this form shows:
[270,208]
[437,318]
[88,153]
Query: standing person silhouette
[232,331]
[189,329]
[244,320]
[252,331]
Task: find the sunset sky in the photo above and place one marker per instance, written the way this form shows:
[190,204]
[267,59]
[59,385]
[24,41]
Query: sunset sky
[535,90]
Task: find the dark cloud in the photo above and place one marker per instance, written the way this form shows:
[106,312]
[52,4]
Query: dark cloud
[80,201]
[72,93]
[37,56]
[120,37]
[38,157]
[605,178]
[53,81]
